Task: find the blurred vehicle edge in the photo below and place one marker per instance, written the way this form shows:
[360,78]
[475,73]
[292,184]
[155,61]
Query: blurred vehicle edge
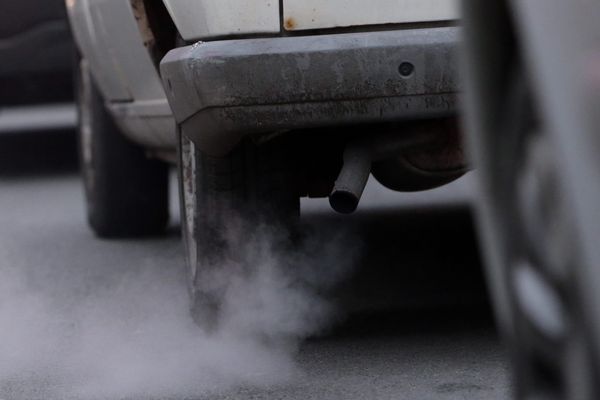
[532,96]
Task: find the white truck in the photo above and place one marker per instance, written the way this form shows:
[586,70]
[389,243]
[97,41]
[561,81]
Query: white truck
[259,103]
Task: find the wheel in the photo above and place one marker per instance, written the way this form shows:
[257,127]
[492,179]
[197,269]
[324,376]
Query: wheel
[526,217]
[224,201]
[126,192]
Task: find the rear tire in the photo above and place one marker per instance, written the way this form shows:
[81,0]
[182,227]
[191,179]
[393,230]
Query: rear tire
[126,191]
[223,202]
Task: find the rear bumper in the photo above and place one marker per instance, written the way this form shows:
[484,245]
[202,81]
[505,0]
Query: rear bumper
[221,91]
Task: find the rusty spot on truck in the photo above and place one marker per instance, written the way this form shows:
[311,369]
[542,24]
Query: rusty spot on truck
[139,12]
[289,24]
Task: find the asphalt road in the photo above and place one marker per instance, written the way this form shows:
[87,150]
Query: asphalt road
[413,319]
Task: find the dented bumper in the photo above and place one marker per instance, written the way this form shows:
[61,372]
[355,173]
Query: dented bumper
[221,91]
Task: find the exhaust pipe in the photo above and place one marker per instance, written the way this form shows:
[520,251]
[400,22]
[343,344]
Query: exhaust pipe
[350,184]
[360,154]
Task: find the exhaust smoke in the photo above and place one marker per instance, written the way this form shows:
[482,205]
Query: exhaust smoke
[122,330]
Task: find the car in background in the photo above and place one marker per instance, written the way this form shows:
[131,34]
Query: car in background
[36,72]
[258,103]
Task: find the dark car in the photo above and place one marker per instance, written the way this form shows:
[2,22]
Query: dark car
[36,58]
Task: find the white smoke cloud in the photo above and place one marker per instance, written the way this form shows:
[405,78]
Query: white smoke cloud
[126,333]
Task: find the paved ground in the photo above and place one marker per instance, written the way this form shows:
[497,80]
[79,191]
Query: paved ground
[84,318]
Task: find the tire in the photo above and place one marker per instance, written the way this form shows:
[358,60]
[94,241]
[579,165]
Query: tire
[526,217]
[223,201]
[126,191]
